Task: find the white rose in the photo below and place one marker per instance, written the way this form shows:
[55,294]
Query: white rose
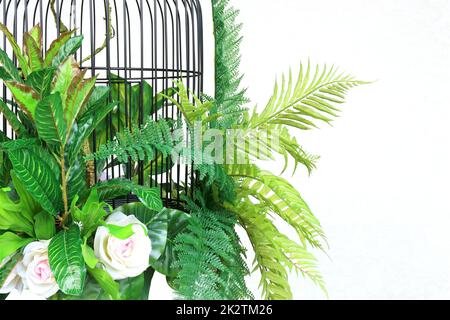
[34,269]
[123,258]
[13,280]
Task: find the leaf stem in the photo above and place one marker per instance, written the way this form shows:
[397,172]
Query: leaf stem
[64,188]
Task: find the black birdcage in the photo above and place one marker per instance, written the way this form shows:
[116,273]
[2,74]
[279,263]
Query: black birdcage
[132,45]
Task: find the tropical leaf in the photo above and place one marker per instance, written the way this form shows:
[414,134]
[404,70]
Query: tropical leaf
[16,49]
[91,215]
[29,206]
[67,49]
[113,189]
[38,177]
[77,96]
[10,243]
[33,52]
[41,80]
[36,34]
[77,180]
[50,120]
[8,69]
[44,226]
[12,217]
[56,45]
[66,261]
[25,97]
[65,75]
[13,121]
[150,197]
[106,282]
[177,222]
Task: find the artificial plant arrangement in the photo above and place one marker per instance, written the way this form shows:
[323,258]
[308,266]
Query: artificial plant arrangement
[59,239]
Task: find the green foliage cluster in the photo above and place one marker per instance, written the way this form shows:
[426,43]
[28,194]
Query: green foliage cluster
[210,257]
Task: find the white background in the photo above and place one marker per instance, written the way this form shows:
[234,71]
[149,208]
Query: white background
[381,189]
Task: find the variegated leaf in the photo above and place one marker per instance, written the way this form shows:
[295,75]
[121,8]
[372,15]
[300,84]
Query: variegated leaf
[25,97]
[55,46]
[50,121]
[66,261]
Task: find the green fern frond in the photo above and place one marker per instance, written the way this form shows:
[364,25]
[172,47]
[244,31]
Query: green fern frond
[229,97]
[209,257]
[280,197]
[275,254]
[313,97]
[140,144]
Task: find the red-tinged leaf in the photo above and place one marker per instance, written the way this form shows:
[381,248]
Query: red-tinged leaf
[77,98]
[31,48]
[25,97]
[36,34]
[66,73]
[55,46]
[12,40]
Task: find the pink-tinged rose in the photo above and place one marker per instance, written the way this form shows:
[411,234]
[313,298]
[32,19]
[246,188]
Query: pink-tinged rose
[123,258]
[13,280]
[34,269]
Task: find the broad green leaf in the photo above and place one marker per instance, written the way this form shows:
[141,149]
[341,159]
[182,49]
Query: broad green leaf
[25,97]
[67,49]
[91,215]
[177,222]
[36,34]
[113,189]
[76,180]
[77,97]
[106,282]
[44,226]
[120,232]
[9,70]
[156,223]
[136,288]
[29,206]
[66,261]
[50,121]
[98,98]
[13,121]
[38,178]
[56,46]
[8,267]
[41,80]
[10,243]
[12,217]
[32,50]
[89,256]
[12,40]
[65,74]
[150,197]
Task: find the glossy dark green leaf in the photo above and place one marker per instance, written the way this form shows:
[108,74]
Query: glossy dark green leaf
[44,226]
[177,222]
[150,197]
[50,120]
[29,205]
[112,189]
[137,288]
[13,217]
[106,282]
[38,177]
[67,49]
[10,243]
[41,80]
[9,70]
[66,261]
[13,120]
